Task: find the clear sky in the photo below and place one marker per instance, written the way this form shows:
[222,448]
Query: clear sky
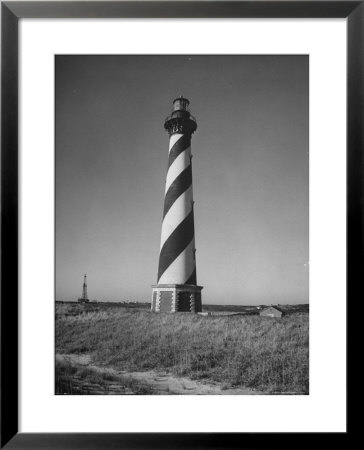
[250,174]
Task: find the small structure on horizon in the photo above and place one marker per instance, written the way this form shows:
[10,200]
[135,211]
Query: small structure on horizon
[84,298]
[272,311]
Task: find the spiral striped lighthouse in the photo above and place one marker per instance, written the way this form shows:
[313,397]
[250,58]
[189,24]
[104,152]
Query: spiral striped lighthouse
[177,288]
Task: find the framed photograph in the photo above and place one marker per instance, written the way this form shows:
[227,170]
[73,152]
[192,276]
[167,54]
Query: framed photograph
[144,303]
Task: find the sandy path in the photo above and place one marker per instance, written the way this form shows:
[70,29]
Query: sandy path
[160,383]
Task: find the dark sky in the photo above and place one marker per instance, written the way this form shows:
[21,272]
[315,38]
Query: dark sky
[250,174]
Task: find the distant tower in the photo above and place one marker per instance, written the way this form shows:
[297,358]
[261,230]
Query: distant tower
[84,298]
[177,288]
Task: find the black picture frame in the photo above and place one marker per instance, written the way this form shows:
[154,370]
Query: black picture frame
[11,12]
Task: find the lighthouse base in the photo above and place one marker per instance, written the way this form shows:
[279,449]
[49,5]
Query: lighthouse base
[176,298]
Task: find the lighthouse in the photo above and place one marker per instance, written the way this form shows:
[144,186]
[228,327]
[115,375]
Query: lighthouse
[176,289]
[84,298]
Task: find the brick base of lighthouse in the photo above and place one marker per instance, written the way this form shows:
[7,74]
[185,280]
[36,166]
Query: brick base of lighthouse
[176,298]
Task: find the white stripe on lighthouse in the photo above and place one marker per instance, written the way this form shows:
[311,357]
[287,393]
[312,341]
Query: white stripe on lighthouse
[181,268]
[173,139]
[179,165]
[176,214]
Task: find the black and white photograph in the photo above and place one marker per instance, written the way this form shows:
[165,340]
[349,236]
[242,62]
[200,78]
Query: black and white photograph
[182,224]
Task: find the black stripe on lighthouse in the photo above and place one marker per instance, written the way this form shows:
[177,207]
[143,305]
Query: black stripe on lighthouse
[178,187]
[193,278]
[183,142]
[176,243]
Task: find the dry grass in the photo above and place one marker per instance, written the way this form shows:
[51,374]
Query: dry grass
[252,351]
[75,380]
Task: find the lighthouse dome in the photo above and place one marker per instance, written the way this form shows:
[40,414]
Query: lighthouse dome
[180,104]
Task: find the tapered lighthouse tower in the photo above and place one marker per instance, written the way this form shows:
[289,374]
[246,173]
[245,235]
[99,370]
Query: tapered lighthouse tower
[177,288]
[84,298]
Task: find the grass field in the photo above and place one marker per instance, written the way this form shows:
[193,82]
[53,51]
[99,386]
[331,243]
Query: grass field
[266,354]
[72,380]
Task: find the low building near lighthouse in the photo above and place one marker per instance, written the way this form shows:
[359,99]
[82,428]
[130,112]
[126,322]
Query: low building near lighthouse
[176,289]
[272,311]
